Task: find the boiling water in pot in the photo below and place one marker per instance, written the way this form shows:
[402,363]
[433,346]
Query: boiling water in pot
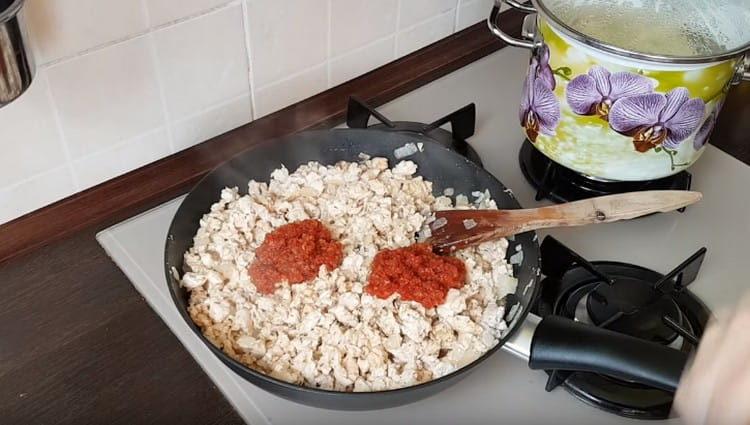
[645,34]
[664,27]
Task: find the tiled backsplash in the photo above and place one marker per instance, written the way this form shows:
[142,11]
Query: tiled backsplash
[122,83]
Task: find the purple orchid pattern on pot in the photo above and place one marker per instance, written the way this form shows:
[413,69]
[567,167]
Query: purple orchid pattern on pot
[543,69]
[704,133]
[539,111]
[616,115]
[595,92]
[657,120]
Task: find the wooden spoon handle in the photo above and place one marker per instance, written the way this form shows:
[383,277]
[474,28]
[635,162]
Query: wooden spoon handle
[605,209]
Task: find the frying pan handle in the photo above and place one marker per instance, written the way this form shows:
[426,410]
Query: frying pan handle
[563,344]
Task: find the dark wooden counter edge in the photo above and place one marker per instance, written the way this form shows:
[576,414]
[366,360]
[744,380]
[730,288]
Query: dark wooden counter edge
[152,184]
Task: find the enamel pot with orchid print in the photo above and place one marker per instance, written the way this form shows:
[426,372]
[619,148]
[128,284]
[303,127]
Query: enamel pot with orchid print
[627,90]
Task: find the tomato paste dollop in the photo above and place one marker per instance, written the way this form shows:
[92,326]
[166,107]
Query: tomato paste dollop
[416,274]
[294,253]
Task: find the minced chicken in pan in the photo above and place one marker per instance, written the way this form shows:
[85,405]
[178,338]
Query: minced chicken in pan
[334,326]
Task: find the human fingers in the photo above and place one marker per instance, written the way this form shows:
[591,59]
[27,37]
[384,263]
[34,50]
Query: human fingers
[692,399]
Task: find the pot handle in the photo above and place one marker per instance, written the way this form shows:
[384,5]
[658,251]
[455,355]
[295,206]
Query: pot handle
[743,70]
[527,30]
[515,4]
[560,343]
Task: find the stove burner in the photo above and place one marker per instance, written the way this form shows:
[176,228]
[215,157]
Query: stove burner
[462,123]
[633,307]
[561,184]
[624,298]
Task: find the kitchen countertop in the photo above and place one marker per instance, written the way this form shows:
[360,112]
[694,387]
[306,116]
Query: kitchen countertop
[78,344]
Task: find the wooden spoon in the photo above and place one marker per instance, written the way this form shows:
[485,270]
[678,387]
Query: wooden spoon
[457,229]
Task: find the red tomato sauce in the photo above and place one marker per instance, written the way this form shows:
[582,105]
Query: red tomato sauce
[294,253]
[415,273]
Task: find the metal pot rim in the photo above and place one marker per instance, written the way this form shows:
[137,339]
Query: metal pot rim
[11,11]
[648,57]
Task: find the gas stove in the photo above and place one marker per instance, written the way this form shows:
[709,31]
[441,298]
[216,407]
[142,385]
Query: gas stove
[462,126]
[618,296]
[625,298]
[612,295]
[620,276]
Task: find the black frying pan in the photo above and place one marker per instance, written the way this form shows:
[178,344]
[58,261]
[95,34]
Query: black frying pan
[557,344]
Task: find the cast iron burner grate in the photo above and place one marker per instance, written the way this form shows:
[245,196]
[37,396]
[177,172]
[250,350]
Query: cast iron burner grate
[561,184]
[624,298]
[462,123]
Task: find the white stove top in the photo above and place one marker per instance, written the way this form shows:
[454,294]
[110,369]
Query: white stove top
[502,389]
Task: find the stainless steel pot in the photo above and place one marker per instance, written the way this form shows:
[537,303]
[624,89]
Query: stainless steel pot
[627,91]
[16,60]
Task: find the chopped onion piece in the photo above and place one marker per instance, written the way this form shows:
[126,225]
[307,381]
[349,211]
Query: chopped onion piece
[440,222]
[406,150]
[469,224]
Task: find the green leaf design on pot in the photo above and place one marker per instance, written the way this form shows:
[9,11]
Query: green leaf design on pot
[671,154]
[656,119]
[597,91]
[563,72]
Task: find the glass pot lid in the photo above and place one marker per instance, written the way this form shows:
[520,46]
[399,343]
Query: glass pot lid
[662,30]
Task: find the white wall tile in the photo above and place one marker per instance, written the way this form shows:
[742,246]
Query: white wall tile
[212,122]
[35,192]
[161,12]
[416,11]
[473,11]
[107,96]
[65,27]
[29,140]
[277,96]
[129,155]
[286,37]
[126,82]
[425,33]
[355,23]
[362,60]
[202,62]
